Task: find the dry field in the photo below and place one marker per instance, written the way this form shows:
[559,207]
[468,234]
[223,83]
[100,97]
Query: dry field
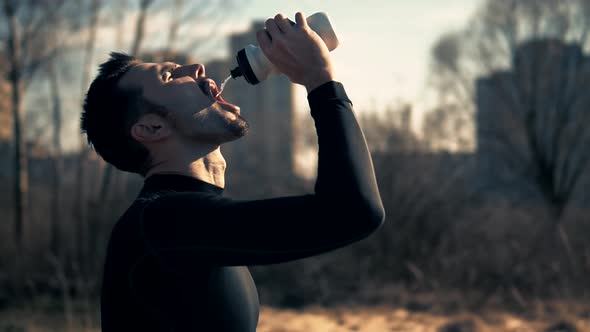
[384,319]
[556,317]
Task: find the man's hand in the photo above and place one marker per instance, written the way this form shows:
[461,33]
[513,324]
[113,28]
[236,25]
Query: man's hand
[296,51]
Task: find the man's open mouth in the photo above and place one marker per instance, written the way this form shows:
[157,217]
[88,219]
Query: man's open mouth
[209,87]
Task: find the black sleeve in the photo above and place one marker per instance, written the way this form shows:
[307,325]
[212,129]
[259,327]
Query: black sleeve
[345,208]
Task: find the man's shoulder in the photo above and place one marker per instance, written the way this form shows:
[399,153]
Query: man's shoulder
[146,204]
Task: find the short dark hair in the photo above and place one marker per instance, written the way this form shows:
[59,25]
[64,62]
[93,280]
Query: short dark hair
[109,112]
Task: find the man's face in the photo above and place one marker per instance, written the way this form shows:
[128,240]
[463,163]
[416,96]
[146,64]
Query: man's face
[188,96]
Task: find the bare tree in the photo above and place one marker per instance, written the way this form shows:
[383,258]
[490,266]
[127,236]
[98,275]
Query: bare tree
[174,22]
[20,162]
[27,49]
[58,32]
[80,199]
[54,84]
[93,10]
[144,5]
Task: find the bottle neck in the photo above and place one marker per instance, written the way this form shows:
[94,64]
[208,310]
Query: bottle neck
[245,68]
[236,72]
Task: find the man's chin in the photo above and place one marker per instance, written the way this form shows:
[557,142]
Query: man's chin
[239,128]
[234,131]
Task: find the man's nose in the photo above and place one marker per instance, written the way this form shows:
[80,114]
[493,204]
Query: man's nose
[195,71]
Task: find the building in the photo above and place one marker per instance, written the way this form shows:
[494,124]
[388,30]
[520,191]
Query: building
[531,143]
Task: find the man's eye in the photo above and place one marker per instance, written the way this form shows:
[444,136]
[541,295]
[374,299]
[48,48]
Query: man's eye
[167,75]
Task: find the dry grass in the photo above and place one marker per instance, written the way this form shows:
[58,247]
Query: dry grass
[425,312]
[391,319]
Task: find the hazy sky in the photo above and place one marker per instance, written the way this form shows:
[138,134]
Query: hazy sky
[385,44]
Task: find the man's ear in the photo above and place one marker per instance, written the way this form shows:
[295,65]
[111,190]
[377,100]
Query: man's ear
[150,128]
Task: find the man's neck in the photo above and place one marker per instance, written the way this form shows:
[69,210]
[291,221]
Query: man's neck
[202,162]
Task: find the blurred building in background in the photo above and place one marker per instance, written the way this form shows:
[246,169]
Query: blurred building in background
[531,120]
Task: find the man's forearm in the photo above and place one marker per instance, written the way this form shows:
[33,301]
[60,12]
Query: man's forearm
[345,168]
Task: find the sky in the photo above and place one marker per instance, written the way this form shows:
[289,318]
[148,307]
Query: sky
[384,52]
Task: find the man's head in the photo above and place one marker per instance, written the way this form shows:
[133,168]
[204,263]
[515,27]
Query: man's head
[132,108]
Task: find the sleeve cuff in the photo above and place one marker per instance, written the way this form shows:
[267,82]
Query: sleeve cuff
[327,92]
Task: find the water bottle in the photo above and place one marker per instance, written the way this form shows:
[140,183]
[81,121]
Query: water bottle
[255,67]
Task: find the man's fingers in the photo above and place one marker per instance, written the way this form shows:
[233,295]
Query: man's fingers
[263,39]
[273,29]
[300,19]
[283,23]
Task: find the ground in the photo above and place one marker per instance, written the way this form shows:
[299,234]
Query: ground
[550,316]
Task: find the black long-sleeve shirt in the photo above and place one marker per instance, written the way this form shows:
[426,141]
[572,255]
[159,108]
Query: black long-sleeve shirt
[177,259]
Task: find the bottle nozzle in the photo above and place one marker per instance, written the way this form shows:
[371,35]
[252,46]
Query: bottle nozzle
[236,72]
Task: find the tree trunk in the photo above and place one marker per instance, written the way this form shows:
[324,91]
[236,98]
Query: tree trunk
[57,162]
[174,24]
[20,157]
[80,206]
[140,27]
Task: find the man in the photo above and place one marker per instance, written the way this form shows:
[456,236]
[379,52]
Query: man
[177,259]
